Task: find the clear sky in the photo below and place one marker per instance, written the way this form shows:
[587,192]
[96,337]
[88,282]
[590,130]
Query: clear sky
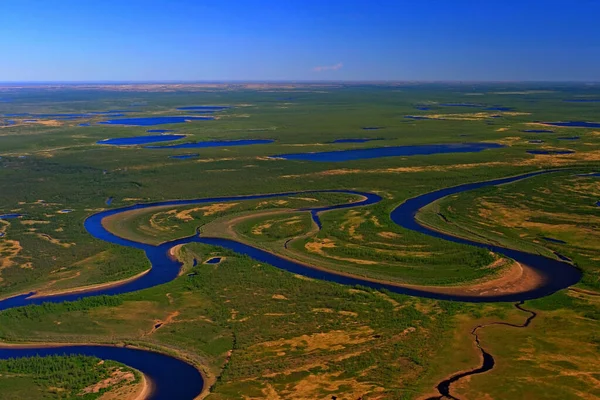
[158,40]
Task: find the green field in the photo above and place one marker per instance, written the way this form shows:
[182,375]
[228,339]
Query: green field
[258,332]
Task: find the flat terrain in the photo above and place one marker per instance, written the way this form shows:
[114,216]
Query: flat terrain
[259,332]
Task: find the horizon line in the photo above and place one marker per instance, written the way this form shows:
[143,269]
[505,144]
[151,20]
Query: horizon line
[249,81]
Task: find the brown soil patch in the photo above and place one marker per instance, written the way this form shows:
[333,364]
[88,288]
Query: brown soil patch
[216,208]
[313,387]
[515,278]
[9,250]
[160,323]
[329,341]
[52,240]
[317,246]
[258,230]
[32,222]
[118,376]
[353,220]
[279,297]
[389,235]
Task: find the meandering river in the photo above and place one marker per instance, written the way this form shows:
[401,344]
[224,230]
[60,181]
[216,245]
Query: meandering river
[169,374]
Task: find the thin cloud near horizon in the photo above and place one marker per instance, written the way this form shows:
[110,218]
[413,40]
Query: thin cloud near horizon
[334,67]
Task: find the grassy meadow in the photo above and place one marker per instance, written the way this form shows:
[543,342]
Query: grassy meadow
[258,332]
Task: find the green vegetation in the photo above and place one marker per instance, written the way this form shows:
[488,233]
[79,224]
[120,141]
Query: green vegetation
[61,377]
[259,331]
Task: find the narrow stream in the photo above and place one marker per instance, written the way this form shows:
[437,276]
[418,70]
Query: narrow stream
[488,360]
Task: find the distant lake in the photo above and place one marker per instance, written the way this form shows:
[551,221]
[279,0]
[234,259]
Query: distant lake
[575,124]
[149,121]
[213,143]
[392,151]
[10,216]
[185,156]
[137,140]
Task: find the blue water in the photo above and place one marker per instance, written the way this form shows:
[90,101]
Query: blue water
[575,124]
[213,260]
[176,379]
[109,201]
[85,124]
[538,131]
[363,140]
[149,121]
[420,117]
[499,108]
[172,378]
[185,156]
[214,143]
[371,128]
[160,130]
[10,216]
[392,151]
[195,263]
[66,211]
[550,151]
[568,138]
[137,140]
[203,108]
[549,239]
[422,108]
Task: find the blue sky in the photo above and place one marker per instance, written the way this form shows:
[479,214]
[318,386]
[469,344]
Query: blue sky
[142,40]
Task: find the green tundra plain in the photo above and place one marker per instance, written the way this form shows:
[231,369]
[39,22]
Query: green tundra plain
[258,332]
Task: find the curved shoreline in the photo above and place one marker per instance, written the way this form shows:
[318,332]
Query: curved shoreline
[89,288]
[558,274]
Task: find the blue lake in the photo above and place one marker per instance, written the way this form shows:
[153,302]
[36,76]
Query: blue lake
[557,152]
[499,108]
[360,140]
[213,260]
[185,156]
[371,128]
[149,121]
[214,143]
[392,151]
[109,201]
[173,378]
[419,117]
[137,140]
[575,124]
[10,216]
